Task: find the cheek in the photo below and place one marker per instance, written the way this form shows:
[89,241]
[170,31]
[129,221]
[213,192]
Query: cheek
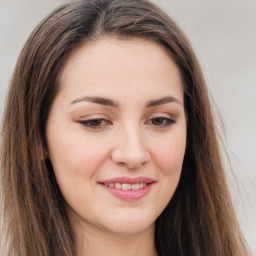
[170,155]
[76,154]
[72,149]
[75,163]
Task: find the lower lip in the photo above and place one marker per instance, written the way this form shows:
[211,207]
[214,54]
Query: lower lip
[129,194]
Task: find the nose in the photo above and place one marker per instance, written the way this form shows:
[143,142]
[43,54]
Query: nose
[129,149]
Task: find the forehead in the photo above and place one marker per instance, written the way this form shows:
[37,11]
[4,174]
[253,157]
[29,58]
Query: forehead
[113,65]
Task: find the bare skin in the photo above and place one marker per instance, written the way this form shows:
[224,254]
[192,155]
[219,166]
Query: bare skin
[116,135]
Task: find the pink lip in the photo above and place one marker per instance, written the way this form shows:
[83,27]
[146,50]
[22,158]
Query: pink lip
[128,180]
[129,194]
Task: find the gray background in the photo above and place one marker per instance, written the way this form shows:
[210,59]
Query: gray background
[223,33]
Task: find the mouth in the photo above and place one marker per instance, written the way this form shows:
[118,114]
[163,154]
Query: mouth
[128,188]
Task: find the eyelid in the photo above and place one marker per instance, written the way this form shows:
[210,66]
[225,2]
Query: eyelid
[161,114]
[94,116]
[85,121]
[168,120]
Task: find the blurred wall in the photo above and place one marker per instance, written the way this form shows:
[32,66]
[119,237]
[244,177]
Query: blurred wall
[223,33]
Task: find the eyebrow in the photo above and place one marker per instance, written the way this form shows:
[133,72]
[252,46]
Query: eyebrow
[164,100]
[98,100]
[112,103]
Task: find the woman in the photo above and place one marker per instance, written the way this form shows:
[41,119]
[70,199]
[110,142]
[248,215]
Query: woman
[109,142]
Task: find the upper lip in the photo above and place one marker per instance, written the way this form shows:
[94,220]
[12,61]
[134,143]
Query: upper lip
[128,180]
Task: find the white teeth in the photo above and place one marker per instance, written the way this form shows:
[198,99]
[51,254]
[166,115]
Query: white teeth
[125,186]
[118,185]
[135,186]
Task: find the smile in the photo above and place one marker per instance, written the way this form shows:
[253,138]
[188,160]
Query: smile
[126,188]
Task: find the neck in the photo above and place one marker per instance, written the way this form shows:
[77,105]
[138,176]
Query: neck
[91,242]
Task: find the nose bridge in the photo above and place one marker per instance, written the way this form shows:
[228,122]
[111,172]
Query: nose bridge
[132,137]
[130,146]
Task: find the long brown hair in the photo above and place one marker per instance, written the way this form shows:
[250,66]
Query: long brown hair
[199,220]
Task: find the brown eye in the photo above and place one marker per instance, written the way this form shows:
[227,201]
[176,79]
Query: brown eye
[95,123]
[161,121]
[158,121]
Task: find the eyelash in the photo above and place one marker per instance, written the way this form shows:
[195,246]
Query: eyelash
[89,123]
[165,122]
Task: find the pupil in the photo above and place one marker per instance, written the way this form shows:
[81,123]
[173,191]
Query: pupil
[158,121]
[95,122]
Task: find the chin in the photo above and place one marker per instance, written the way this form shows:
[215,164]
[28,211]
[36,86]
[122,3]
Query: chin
[128,224]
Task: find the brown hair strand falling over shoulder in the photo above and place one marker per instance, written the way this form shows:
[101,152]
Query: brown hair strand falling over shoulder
[199,220]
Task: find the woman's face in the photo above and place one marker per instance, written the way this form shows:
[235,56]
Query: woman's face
[116,134]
